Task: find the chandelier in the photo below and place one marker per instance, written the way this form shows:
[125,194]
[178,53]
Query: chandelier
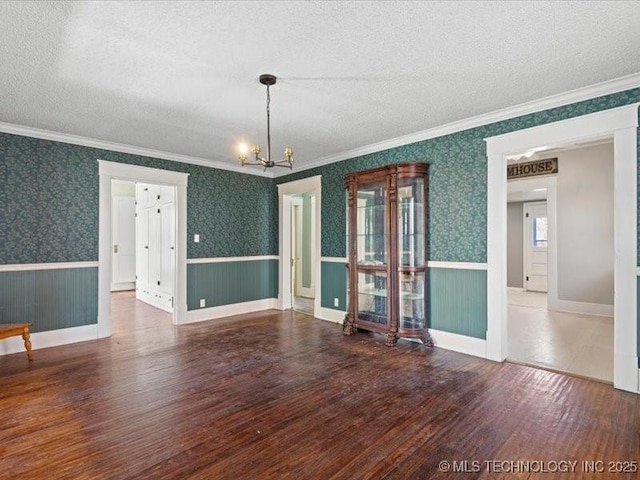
[268,80]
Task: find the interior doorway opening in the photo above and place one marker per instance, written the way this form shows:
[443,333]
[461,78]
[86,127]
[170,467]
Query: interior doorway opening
[560,262]
[143,251]
[303,289]
[177,183]
[289,198]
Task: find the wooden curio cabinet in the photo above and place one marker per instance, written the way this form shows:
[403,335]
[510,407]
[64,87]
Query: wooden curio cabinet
[388,251]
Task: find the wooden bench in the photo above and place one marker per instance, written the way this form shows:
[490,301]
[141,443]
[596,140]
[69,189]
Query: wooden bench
[15,329]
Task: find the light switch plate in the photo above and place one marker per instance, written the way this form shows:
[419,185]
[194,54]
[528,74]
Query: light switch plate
[196,238]
[202,303]
[336,302]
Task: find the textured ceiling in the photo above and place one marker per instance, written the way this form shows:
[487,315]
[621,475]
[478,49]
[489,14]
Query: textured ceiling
[181,77]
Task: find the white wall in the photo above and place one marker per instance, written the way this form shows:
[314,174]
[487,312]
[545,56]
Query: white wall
[515,245]
[585,225]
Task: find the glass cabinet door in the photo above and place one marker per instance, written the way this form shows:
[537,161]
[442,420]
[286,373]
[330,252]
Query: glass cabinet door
[372,297]
[371,224]
[411,222]
[412,300]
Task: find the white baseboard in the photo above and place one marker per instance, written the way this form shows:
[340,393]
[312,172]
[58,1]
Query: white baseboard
[459,343]
[515,289]
[211,313]
[52,338]
[119,287]
[330,315]
[579,307]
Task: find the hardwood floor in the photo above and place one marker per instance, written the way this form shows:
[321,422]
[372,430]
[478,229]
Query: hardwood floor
[280,395]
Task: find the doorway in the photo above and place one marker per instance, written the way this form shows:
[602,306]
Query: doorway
[574,334]
[303,248]
[290,199]
[177,181]
[621,124]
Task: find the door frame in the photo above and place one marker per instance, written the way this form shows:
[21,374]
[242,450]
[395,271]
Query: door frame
[286,191]
[622,124]
[121,171]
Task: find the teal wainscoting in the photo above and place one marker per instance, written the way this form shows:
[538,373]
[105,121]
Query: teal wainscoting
[50,299]
[459,301]
[638,315]
[231,282]
[334,285]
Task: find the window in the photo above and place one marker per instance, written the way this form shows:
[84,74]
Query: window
[539,231]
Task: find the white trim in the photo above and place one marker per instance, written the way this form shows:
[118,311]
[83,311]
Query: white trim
[336,259]
[330,315]
[459,343]
[598,90]
[621,123]
[191,261]
[23,267]
[211,313]
[121,171]
[457,265]
[311,185]
[599,309]
[515,289]
[51,338]
[120,147]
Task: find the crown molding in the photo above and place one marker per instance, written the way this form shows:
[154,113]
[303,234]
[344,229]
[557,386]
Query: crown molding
[600,89]
[123,148]
[573,96]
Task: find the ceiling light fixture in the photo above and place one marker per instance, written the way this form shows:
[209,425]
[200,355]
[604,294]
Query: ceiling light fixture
[268,80]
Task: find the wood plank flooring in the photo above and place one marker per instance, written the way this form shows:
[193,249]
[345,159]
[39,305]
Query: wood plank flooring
[280,395]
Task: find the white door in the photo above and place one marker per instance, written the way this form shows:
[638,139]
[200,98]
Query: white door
[124,242]
[142,250]
[155,247]
[167,255]
[535,246]
[296,245]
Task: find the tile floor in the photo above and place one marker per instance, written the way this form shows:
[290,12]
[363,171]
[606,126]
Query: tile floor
[569,342]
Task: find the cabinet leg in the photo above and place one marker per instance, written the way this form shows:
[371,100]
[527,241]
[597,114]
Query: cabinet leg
[392,339]
[347,325]
[426,339]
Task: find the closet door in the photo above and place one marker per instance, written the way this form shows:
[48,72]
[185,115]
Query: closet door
[155,246]
[167,256]
[142,247]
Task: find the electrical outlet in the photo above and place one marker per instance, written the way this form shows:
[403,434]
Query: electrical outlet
[336,302]
[196,238]
[202,302]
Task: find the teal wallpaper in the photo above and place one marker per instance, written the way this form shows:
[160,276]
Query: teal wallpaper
[49,204]
[50,299]
[231,282]
[457,181]
[458,301]
[334,279]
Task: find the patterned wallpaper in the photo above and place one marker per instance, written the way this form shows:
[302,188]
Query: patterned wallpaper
[458,181]
[49,195]
[49,204]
